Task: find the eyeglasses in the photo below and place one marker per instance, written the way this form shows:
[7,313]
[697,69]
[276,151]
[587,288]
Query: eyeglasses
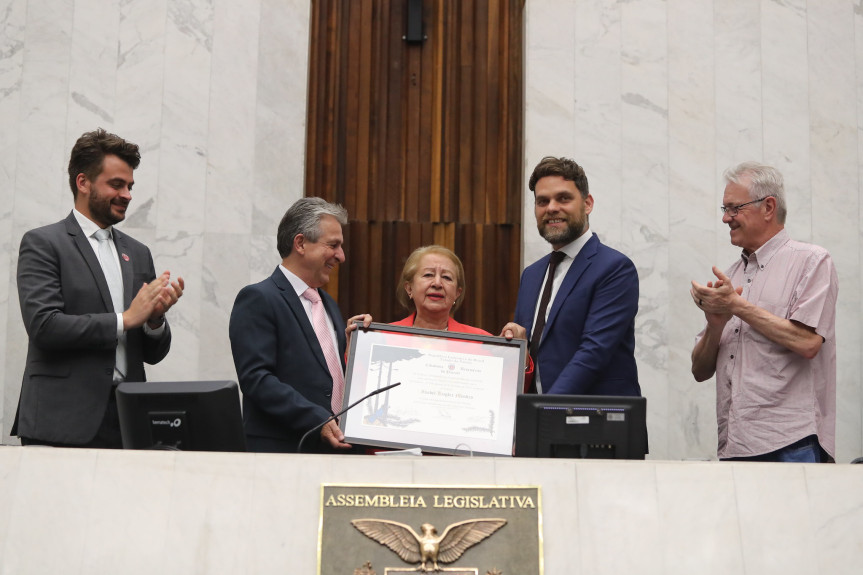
[732,211]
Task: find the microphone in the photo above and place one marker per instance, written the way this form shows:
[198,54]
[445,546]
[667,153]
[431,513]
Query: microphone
[332,417]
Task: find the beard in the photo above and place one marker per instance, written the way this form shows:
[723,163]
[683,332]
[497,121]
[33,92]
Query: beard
[100,209]
[573,230]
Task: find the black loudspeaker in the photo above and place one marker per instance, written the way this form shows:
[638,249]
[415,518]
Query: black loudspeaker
[414,29]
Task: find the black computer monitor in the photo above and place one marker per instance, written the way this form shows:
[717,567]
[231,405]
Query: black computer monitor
[181,415]
[581,426]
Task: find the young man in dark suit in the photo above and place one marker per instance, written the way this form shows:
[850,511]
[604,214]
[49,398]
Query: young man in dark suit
[289,355]
[92,305]
[579,302]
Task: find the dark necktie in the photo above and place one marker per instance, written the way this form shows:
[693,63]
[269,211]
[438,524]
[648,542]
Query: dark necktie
[539,325]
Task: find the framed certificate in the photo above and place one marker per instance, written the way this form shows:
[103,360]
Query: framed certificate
[457,392]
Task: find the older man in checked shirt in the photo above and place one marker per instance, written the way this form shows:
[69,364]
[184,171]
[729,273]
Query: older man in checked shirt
[770,337]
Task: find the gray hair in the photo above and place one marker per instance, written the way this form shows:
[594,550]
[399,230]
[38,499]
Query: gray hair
[304,217]
[761,181]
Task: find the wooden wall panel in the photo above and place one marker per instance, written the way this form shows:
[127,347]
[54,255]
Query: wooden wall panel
[422,143]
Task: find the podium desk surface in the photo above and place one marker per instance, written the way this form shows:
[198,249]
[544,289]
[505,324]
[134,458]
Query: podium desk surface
[142,512]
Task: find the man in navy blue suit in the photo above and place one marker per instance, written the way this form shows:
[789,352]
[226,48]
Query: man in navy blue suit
[283,362]
[581,320]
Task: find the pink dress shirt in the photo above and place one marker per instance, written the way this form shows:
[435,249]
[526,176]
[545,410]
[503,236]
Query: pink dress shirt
[768,397]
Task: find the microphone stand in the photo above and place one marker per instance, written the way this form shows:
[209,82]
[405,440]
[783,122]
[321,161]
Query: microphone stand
[332,417]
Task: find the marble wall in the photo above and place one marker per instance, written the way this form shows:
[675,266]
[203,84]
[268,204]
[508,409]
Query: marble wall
[213,92]
[655,98]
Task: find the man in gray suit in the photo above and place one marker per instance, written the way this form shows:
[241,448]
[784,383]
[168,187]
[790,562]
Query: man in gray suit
[92,305]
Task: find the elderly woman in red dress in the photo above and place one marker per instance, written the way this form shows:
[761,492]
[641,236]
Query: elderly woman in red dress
[432,288]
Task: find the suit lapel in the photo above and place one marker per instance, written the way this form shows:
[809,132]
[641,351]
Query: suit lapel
[334,312]
[533,283]
[122,245]
[576,270]
[296,306]
[82,243]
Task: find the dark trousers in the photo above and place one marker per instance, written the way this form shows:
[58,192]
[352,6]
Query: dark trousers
[806,450]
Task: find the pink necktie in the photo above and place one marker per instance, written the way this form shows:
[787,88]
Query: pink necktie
[319,322]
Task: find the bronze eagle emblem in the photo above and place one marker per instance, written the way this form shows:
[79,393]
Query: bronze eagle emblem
[428,547]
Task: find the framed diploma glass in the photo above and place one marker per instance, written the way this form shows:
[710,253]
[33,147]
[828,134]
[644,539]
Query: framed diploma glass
[457,392]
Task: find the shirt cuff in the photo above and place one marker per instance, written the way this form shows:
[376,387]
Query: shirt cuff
[154,333]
